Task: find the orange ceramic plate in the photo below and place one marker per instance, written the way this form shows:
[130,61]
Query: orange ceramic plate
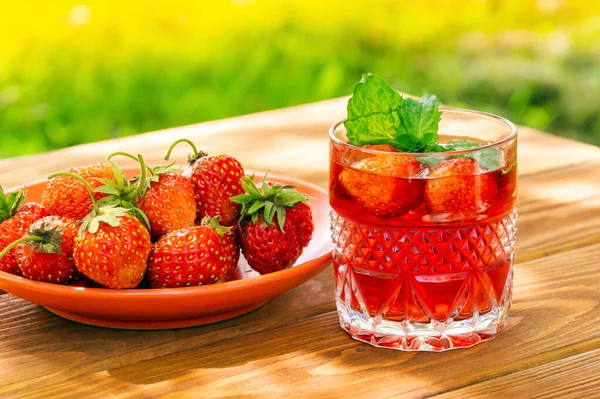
[186,306]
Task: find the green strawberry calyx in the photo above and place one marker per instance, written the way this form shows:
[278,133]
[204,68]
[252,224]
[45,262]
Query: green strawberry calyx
[378,114]
[124,193]
[46,239]
[107,214]
[268,200]
[213,223]
[11,203]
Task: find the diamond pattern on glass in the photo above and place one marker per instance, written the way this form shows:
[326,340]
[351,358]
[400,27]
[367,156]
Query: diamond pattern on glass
[428,288]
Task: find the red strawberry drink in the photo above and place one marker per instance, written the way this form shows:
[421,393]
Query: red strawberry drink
[423,227]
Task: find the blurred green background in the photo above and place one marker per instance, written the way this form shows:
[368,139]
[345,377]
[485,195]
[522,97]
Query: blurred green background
[72,73]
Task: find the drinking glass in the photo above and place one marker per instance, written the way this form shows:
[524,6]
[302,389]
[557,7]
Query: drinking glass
[425,262]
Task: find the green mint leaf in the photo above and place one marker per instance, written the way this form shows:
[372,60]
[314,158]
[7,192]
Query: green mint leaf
[405,142]
[488,158]
[420,118]
[460,145]
[431,161]
[372,112]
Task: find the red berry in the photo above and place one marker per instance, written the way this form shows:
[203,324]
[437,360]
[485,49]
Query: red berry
[460,188]
[190,256]
[65,196]
[215,180]
[276,226]
[169,204]
[114,256]
[382,185]
[13,228]
[50,260]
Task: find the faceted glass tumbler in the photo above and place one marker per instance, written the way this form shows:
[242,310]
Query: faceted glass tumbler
[420,280]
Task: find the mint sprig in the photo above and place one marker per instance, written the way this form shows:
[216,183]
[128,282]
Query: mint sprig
[377,114]
[373,112]
[489,158]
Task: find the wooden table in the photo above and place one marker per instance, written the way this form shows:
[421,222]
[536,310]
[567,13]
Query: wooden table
[293,346]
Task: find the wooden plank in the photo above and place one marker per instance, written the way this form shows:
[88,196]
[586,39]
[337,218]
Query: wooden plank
[299,135]
[573,377]
[32,335]
[558,211]
[555,315]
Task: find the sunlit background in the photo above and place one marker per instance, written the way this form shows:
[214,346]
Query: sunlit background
[73,73]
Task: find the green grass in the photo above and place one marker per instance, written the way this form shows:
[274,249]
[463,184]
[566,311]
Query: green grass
[109,79]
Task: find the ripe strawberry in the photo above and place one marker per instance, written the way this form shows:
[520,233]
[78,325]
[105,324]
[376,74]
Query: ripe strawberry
[215,179]
[169,203]
[112,247]
[65,196]
[165,198]
[45,253]
[460,188]
[229,242]
[188,257]
[268,246]
[15,219]
[113,252]
[382,185]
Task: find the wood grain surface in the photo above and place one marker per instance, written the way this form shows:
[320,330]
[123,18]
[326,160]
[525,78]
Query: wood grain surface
[293,346]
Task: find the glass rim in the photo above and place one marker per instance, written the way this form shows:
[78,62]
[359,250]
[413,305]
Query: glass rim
[511,126]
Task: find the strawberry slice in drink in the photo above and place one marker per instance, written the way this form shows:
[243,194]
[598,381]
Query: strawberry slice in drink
[381,183]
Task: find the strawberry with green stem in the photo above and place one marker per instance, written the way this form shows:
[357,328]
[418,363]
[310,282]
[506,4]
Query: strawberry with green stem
[215,179]
[112,246]
[275,226]
[65,196]
[229,242]
[167,199]
[191,256]
[15,219]
[45,252]
[122,192]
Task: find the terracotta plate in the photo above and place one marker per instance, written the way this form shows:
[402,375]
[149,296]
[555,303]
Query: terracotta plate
[186,306]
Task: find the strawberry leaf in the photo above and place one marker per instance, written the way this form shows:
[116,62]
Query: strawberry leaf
[108,215]
[49,235]
[280,217]
[107,190]
[256,206]
[241,199]
[269,212]
[269,199]
[250,187]
[10,205]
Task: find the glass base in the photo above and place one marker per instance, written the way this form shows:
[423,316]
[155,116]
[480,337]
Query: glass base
[432,337]
[423,289]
